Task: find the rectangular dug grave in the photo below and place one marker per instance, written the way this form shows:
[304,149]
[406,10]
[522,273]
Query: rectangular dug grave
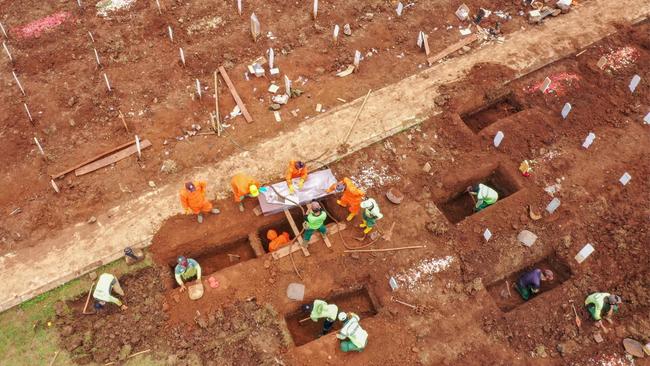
[486,115]
[218,257]
[359,300]
[509,300]
[461,205]
[279,226]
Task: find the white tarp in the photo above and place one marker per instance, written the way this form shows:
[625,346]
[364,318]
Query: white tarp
[315,187]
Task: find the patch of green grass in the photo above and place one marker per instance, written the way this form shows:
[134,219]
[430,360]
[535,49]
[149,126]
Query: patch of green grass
[27,336]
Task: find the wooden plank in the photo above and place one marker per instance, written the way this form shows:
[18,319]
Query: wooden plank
[326,240]
[256,244]
[233,91]
[427,50]
[93,159]
[296,233]
[122,154]
[453,48]
[286,250]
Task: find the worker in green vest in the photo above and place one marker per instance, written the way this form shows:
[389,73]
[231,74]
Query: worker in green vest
[602,303]
[322,310]
[314,220]
[352,336]
[186,270]
[483,196]
[102,294]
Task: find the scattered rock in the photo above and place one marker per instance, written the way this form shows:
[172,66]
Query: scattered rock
[414,349]
[92,275]
[67,331]
[320,70]
[172,360]
[267,264]
[275,107]
[355,255]
[59,308]
[73,342]
[152,184]
[92,220]
[125,351]
[72,101]
[367,17]
[437,228]
[466,48]
[347,30]
[202,322]
[441,100]
[540,351]
[169,166]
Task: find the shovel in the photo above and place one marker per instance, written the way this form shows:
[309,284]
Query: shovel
[578,321]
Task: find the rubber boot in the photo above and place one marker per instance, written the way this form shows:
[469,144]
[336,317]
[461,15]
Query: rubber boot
[338,202]
[367,230]
[215,211]
[350,217]
[364,224]
[199,218]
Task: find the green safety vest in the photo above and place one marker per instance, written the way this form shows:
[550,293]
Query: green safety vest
[598,300]
[321,309]
[487,194]
[315,222]
[353,331]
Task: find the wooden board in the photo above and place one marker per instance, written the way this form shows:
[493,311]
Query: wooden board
[451,49]
[425,39]
[286,250]
[296,233]
[122,154]
[256,244]
[93,159]
[235,95]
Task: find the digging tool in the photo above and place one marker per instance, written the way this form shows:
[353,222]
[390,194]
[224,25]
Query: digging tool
[90,292]
[578,321]
[403,303]
[303,320]
[508,288]
[389,235]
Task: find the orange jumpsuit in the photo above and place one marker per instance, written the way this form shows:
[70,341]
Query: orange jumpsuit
[352,196]
[195,201]
[292,172]
[241,185]
[275,241]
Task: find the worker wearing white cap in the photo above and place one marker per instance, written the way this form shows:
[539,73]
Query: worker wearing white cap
[352,336]
[370,214]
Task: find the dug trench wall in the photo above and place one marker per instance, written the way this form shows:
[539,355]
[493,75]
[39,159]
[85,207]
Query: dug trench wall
[81,248]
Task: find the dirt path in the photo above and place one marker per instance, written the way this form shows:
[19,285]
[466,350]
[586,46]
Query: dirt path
[31,271]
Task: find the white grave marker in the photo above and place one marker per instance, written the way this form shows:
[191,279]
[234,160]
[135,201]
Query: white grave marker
[158,5]
[420,41]
[271,58]
[584,253]
[357,59]
[315,8]
[79,3]
[137,146]
[400,9]
[2,28]
[634,83]
[487,234]
[589,140]
[498,138]
[171,33]
[393,284]
[108,84]
[40,148]
[54,186]
[646,119]
[255,27]
[92,39]
[4,45]
[553,205]
[182,56]
[527,238]
[566,110]
[625,178]
[239,6]
[545,85]
[198,88]
[287,86]
[18,82]
[335,35]
[602,62]
[28,114]
[462,12]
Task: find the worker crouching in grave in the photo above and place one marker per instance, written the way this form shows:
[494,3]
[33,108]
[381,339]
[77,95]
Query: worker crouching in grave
[296,169]
[277,241]
[102,294]
[351,197]
[370,215]
[243,186]
[530,282]
[483,196]
[352,336]
[187,269]
[314,220]
[194,201]
[601,304]
[322,310]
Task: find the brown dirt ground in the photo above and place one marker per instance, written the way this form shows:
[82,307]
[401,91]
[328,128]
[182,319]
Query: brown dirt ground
[460,318]
[75,118]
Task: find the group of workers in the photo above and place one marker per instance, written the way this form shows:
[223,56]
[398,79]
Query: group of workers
[352,197]
[599,305]
[352,336]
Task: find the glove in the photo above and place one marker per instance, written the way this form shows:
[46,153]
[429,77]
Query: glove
[301,183]
[188,211]
[291,189]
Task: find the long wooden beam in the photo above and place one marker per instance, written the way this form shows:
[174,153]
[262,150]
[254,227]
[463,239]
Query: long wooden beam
[235,95]
[122,154]
[117,148]
[452,48]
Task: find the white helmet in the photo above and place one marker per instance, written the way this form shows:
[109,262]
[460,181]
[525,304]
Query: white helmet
[343,316]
